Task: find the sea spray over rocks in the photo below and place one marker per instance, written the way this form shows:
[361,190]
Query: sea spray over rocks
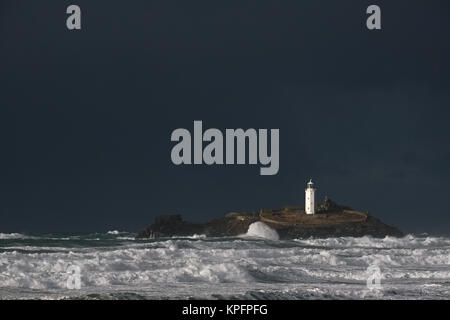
[262,230]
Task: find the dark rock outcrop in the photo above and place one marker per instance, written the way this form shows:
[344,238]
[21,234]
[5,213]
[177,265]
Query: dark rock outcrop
[171,225]
[331,220]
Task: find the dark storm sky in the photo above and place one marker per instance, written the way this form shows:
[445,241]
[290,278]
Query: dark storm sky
[86,116]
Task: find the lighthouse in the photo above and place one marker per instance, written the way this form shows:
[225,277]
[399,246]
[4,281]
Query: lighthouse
[309,197]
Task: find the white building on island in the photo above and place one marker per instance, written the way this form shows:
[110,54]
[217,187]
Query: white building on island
[309,197]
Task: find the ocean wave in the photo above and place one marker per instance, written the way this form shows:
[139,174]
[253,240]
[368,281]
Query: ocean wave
[387,242]
[116,232]
[228,267]
[13,236]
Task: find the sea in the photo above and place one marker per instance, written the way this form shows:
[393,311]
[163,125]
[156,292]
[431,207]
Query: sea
[256,265]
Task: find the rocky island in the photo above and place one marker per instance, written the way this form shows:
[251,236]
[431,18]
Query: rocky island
[329,220]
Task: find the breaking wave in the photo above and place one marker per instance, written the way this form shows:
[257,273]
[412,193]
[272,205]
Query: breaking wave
[115,232]
[116,266]
[261,230]
[13,236]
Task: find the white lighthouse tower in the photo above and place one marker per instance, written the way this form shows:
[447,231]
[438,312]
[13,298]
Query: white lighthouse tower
[309,197]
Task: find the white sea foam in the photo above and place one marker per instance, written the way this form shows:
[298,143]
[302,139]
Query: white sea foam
[412,267]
